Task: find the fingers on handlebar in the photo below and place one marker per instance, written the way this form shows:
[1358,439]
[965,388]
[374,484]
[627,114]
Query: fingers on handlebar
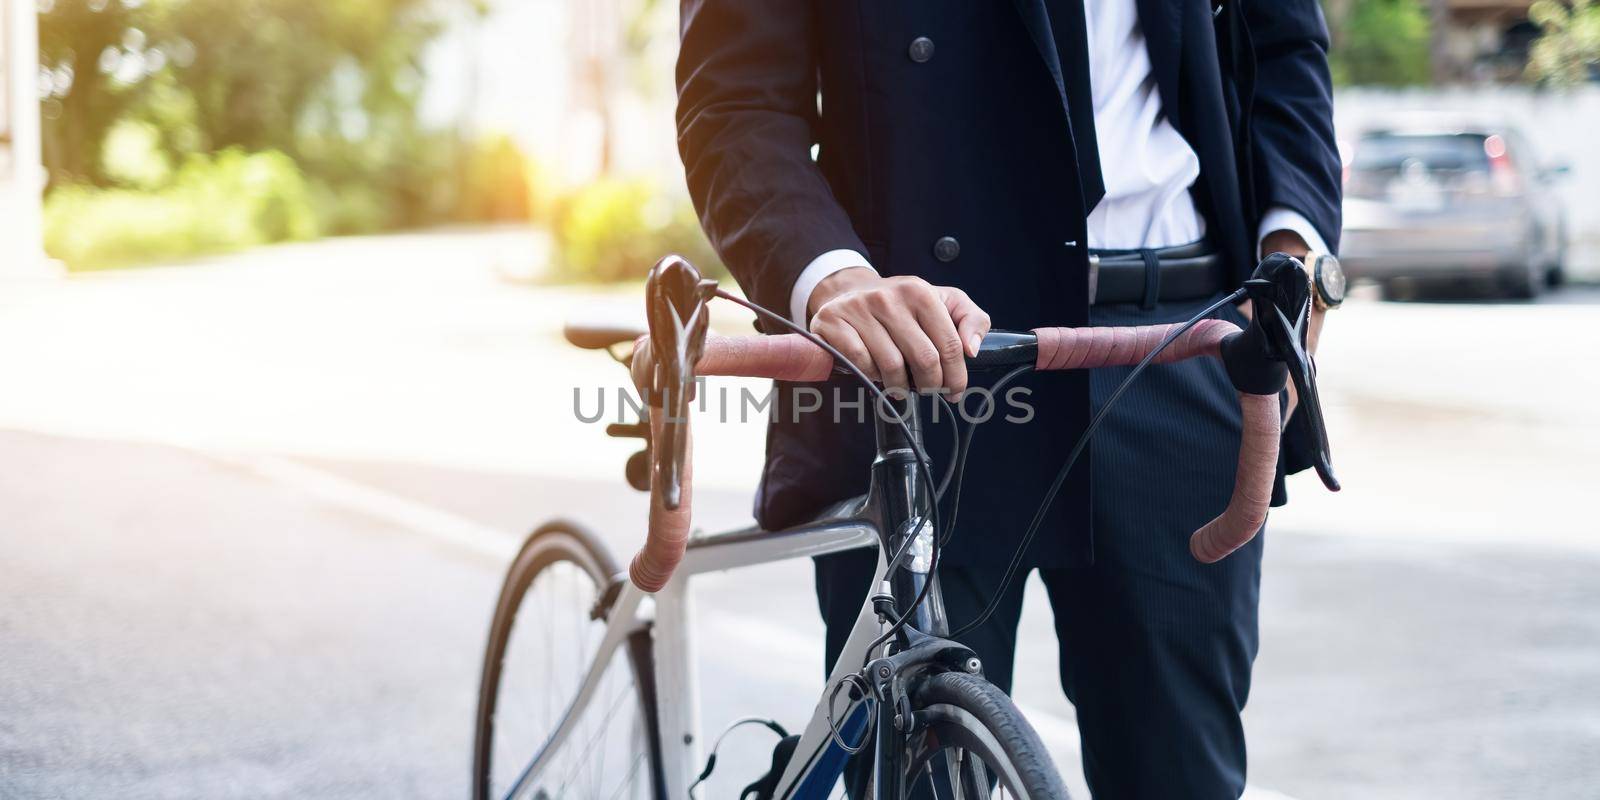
[904,331]
[972,322]
[844,338]
[927,340]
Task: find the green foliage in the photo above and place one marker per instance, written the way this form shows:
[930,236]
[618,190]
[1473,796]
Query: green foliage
[1568,49]
[212,204]
[133,156]
[496,182]
[215,74]
[613,230]
[325,90]
[87,84]
[264,71]
[351,209]
[1380,43]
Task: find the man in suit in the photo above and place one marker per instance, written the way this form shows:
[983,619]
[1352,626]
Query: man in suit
[902,174]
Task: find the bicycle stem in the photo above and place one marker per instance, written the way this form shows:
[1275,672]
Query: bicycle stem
[903,501]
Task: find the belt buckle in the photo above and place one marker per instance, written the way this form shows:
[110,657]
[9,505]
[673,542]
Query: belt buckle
[1094,276]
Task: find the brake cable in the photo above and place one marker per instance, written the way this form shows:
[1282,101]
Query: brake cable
[958,460]
[955,445]
[1077,450]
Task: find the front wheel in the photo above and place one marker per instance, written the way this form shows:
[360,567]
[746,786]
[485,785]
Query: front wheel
[972,742]
[546,632]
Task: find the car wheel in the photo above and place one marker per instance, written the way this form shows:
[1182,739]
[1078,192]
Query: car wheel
[1525,281]
[1556,274]
[1396,290]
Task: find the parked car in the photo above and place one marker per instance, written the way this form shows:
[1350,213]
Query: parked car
[1434,198]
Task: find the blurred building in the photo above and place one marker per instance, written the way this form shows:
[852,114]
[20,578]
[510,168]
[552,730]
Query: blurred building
[586,88]
[1481,40]
[21,172]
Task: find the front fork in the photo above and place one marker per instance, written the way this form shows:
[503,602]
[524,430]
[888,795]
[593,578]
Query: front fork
[891,678]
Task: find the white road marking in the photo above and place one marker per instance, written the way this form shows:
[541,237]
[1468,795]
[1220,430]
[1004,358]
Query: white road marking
[419,518]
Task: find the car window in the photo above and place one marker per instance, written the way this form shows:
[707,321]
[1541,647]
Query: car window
[1384,152]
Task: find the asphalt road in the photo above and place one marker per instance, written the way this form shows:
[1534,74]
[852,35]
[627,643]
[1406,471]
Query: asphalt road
[253,516]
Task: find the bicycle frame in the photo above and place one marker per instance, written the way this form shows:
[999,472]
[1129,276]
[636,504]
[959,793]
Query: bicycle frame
[886,516]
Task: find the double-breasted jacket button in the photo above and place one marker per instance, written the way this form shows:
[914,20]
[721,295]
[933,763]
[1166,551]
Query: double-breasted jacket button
[946,249]
[921,49]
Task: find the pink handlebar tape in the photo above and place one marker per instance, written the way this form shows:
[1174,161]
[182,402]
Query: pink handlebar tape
[792,358]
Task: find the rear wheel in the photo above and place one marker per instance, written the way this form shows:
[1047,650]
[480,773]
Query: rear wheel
[972,742]
[547,629]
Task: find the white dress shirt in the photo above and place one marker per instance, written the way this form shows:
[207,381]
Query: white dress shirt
[1147,165]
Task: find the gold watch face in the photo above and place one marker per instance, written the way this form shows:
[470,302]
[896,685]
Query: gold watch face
[1328,275]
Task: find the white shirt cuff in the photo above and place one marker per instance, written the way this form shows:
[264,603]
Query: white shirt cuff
[820,267]
[1279,218]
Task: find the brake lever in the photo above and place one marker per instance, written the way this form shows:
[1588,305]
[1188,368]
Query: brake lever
[675,301]
[1278,290]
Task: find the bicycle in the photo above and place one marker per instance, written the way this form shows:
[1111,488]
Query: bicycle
[902,693]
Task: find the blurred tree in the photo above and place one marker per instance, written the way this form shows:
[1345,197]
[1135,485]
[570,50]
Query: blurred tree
[1379,42]
[88,79]
[332,83]
[264,73]
[1568,48]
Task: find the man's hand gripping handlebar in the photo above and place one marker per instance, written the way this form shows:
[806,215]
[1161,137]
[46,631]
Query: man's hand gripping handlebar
[1259,361]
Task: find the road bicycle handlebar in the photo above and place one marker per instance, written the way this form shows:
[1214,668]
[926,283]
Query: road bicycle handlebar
[1259,362]
[791,357]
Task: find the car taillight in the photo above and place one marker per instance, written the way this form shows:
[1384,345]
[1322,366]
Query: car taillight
[1501,170]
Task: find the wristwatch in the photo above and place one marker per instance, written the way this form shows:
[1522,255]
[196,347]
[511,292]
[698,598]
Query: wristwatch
[1327,279]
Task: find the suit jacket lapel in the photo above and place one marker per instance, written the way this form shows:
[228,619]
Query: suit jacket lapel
[1037,21]
[1036,18]
[1161,21]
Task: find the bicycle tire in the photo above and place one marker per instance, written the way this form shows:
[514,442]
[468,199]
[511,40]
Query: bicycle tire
[555,549]
[964,713]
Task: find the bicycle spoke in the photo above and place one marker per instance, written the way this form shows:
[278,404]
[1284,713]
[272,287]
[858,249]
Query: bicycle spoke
[952,768]
[550,647]
[628,779]
[933,781]
[583,755]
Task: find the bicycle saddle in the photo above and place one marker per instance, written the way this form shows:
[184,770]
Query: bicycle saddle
[599,335]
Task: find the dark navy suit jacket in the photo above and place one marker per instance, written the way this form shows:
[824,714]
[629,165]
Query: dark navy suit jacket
[974,143]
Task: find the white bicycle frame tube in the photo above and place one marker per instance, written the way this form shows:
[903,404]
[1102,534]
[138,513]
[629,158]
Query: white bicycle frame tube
[675,670]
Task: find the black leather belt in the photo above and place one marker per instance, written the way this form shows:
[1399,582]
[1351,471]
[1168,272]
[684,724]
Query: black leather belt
[1148,277]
